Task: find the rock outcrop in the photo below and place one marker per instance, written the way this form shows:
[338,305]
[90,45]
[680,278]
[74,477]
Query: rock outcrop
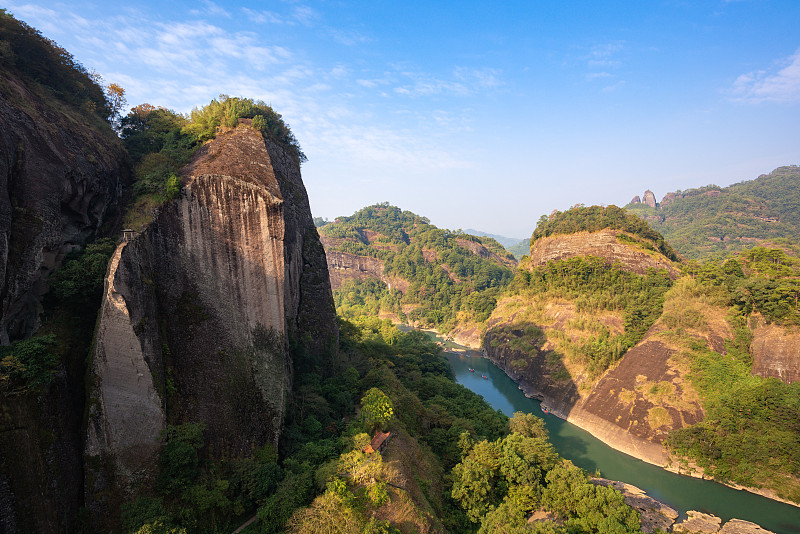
[61,178]
[604,244]
[654,514]
[635,200]
[649,199]
[199,312]
[776,352]
[60,182]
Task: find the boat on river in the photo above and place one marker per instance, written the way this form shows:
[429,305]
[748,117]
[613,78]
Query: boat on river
[471,370]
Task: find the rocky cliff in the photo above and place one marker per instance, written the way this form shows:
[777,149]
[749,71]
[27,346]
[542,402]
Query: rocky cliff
[60,182]
[776,352]
[199,315]
[61,179]
[611,245]
[540,341]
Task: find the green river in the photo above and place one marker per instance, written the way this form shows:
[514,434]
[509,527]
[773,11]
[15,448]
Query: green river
[680,492]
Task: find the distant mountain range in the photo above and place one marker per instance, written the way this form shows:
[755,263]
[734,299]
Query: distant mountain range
[716,221]
[517,247]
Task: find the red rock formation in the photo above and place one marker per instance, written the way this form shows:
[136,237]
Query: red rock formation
[649,199]
[603,244]
[776,352]
[214,289]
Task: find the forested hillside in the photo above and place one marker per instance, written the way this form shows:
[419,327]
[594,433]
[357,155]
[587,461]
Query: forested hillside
[714,221]
[445,277]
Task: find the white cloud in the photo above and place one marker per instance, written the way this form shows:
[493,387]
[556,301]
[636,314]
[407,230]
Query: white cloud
[211,9]
[604,55]
[263,17]
[780,84]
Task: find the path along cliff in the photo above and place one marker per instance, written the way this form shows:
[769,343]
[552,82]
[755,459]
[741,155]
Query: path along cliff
[200,312]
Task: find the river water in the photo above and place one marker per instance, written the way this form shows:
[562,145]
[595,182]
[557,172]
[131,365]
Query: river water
[584,450]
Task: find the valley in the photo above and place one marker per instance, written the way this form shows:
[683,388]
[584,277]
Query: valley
[185,349]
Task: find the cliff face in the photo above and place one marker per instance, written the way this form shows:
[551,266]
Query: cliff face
[603,244]
[60,181]
[632,405]
[60,184]
[776,352]
[199,313]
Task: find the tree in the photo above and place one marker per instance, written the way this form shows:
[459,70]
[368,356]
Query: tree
[115,96]
[376,407]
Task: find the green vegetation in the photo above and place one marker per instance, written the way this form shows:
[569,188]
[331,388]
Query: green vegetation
[27,365]
[45,66]
[521,249]
[431,478]
[376,408]
[592,286]
[68,322]
[714,221]
[596,218]
[750,434]
[446,282]
[160,142]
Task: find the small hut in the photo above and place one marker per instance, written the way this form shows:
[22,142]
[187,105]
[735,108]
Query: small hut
[378,443]
[128,234]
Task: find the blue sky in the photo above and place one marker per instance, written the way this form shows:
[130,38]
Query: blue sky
[475,114]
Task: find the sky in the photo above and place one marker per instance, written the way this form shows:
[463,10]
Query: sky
[475,114]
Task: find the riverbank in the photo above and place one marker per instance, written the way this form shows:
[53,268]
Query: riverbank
[622,441]
[605,431]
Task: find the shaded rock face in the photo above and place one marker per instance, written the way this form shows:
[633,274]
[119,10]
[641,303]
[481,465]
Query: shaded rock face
[636,200]
[603,244]
[776,353]
[649,199]
[536,377]
[60,184]
[60,181]
[199,313]
[644,396]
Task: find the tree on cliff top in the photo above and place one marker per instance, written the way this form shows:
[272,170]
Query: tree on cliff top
[227,110]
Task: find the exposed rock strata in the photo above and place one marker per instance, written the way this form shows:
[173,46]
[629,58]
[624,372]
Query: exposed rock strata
[776,353]
[603,244]
[199,311]
[649,199]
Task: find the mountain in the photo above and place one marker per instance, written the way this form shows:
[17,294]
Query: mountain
[200,311]
[195,323]
[517,247]
[660,359]
[428,276]
[505,241]
[716,221]
[520,249]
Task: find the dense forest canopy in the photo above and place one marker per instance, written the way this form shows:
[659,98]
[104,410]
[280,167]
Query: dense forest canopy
[596,218]
[445,278]
[714,221]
